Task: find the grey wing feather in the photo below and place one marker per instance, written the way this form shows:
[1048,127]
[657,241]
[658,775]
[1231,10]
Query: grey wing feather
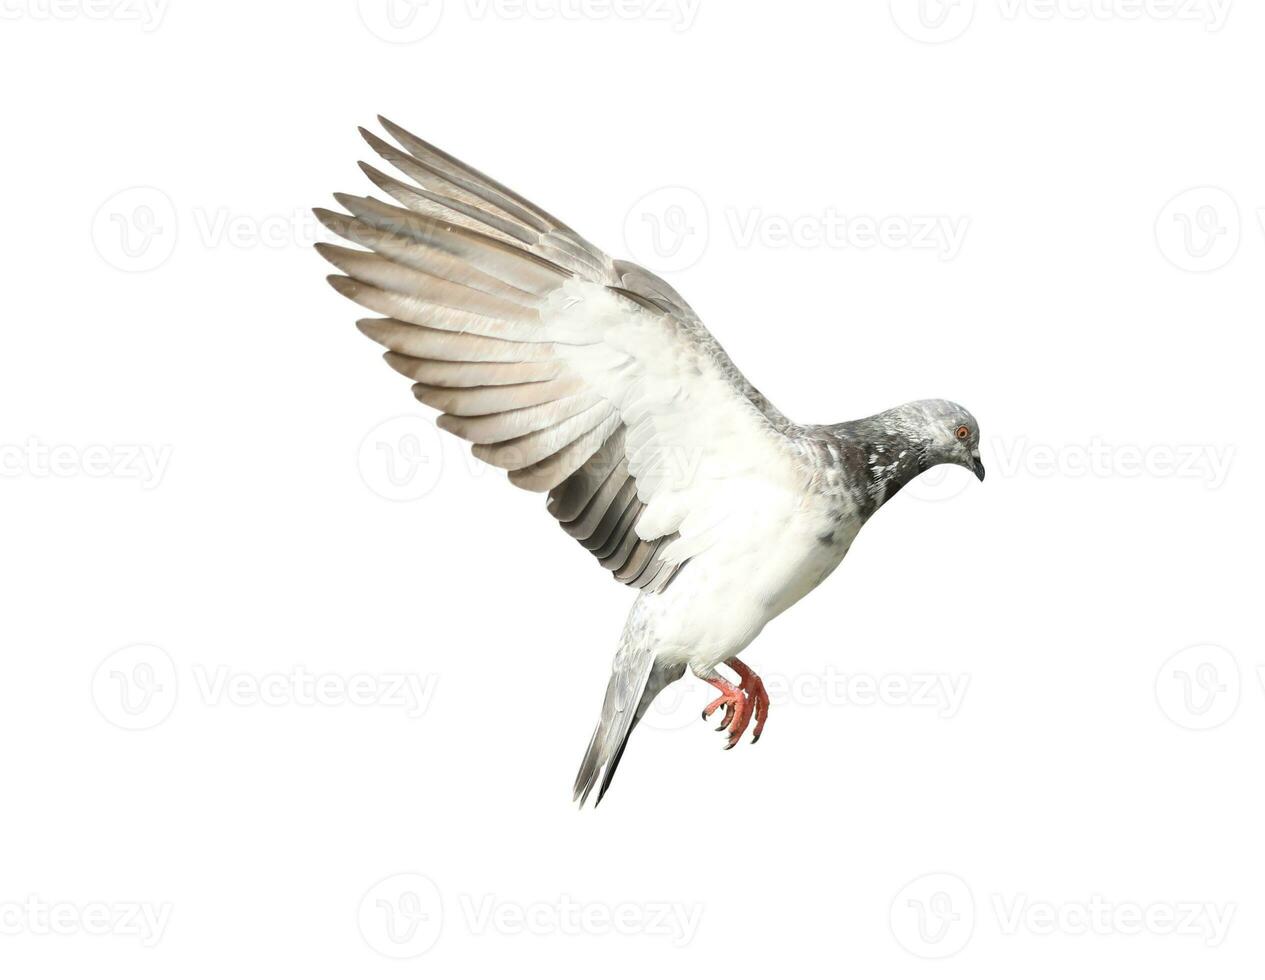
[461,274]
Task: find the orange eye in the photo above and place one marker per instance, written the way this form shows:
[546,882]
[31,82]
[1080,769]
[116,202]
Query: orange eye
[963,432]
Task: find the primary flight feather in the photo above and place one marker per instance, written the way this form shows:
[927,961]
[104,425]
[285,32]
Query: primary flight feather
[592,379]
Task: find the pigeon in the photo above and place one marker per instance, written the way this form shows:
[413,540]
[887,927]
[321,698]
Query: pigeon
[591,380]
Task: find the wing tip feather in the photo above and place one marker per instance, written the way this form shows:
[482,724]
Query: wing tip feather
[344,285]
[331,219]
[372,327]
[336,255]
[372,172]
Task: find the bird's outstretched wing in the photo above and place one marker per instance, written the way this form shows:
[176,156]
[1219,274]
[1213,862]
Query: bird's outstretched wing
[582,376]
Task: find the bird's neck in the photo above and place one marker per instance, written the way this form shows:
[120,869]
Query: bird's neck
[891,466]
[879,459]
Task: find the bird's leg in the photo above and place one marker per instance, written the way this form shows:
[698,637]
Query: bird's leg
[741,702]
[753,688]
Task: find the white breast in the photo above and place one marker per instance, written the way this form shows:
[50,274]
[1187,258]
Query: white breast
[722,599]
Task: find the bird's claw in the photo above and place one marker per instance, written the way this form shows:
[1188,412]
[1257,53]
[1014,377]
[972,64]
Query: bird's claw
[731,700]
[742,702]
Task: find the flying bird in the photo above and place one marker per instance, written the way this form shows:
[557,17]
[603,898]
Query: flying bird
[590,379]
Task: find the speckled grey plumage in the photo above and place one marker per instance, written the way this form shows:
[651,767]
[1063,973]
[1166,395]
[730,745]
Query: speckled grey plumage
[869,460]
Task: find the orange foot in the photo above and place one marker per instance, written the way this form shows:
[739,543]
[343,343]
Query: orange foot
[741,702]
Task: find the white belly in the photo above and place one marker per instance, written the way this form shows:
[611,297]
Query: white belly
[724,597]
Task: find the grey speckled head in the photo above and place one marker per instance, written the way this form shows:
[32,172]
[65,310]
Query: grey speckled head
[944,431]
[893,447]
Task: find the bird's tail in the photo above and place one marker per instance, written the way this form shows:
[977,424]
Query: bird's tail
[636,680]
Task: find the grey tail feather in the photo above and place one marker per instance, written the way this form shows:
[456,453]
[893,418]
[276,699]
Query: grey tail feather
[634,676]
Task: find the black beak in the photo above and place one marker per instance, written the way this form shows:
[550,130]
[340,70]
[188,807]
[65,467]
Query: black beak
[977,465]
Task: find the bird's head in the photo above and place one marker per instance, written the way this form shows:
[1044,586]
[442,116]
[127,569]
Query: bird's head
[895,446]
[945,432]
[911,438]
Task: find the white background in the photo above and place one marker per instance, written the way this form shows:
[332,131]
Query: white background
[1099,317]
